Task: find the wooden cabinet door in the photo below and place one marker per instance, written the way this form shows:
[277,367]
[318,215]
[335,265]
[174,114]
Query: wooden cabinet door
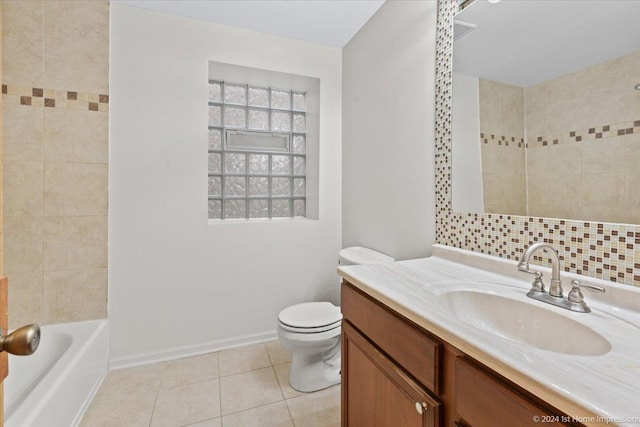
[483,401]
[4,359]
[3,282]
[376,392]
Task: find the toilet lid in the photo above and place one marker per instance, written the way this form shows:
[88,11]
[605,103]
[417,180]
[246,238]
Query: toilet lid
[310,315]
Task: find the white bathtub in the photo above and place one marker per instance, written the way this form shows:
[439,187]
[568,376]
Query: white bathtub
[54,386]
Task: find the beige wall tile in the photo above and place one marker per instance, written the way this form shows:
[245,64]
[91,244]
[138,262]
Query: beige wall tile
[632,152]
[75,242]
[25,297]
[607,214]
[57,46]
[22,133]
[22,189]
[604,190]
[72,296]
[632,180]
[75,189]
[22,43]
[76,45]
[23,249]
[501,108]
[187,404]
[76,136]
[603,155]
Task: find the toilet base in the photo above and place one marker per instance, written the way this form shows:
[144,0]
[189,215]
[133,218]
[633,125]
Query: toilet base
[315,371]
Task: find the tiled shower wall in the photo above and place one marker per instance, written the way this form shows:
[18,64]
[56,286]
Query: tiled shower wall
[55,103]
[609,251]
[502,147]
[583,136]
[583,144]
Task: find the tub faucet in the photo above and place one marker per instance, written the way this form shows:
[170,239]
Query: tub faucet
[555,290]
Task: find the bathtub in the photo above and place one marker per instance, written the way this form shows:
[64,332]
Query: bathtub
[54,386]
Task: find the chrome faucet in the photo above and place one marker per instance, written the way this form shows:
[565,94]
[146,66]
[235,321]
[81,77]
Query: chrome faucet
[555,290]
[575,300]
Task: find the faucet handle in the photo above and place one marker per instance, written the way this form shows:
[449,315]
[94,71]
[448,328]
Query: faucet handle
[537,285]
[576,295]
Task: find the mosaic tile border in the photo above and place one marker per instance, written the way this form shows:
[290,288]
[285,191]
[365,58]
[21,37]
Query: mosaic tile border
[614,130]
[603,250]
[54,98]
[507,141]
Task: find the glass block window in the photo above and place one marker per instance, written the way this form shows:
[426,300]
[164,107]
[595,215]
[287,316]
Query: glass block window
[257,157]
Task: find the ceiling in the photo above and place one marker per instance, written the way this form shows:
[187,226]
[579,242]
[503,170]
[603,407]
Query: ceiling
[525,42]
[327,22]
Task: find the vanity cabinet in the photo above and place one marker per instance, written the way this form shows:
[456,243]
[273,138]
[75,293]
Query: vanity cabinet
[396,373]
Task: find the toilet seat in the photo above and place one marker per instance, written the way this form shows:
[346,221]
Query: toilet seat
[310,317]
[310,330]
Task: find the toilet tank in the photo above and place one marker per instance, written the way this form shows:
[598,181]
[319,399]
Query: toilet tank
[357,255]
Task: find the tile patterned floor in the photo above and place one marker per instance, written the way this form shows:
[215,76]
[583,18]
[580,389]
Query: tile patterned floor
[242,387]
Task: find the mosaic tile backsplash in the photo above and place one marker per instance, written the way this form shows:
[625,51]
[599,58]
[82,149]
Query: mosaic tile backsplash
[608,251]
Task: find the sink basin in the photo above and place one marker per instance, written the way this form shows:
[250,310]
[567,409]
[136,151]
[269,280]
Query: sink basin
[524,322]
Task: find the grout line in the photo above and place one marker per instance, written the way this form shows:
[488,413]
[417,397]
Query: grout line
[155,402]
[286,402]
[254,407]
[219,388]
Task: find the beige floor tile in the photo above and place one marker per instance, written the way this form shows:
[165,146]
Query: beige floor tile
[282,373]
[133,413]
[319,409]
[126,398]
[243,359]
[187,404]
[273,415]
[216,422]
[189,370]
[249,390]
[141,382]
[277,353]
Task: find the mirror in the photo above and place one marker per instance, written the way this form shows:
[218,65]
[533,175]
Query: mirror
[546,109]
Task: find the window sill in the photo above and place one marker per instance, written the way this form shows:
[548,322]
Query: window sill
[216,222]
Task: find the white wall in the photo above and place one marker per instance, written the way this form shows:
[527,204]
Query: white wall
[178,285]
[466,167]
[388,131]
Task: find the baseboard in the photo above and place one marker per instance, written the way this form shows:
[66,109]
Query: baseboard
[187,351]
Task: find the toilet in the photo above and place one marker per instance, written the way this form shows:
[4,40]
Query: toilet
[311,331]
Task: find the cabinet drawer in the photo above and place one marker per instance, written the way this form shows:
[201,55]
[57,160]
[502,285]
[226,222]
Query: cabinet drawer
[407,344]
[482,399]
[379,393]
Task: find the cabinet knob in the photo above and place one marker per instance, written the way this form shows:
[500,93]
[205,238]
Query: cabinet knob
[421,407]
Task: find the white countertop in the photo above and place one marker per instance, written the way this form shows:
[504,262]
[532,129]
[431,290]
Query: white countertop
[584,387]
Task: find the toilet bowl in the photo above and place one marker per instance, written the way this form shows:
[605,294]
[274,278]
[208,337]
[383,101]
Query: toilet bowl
[312,332]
